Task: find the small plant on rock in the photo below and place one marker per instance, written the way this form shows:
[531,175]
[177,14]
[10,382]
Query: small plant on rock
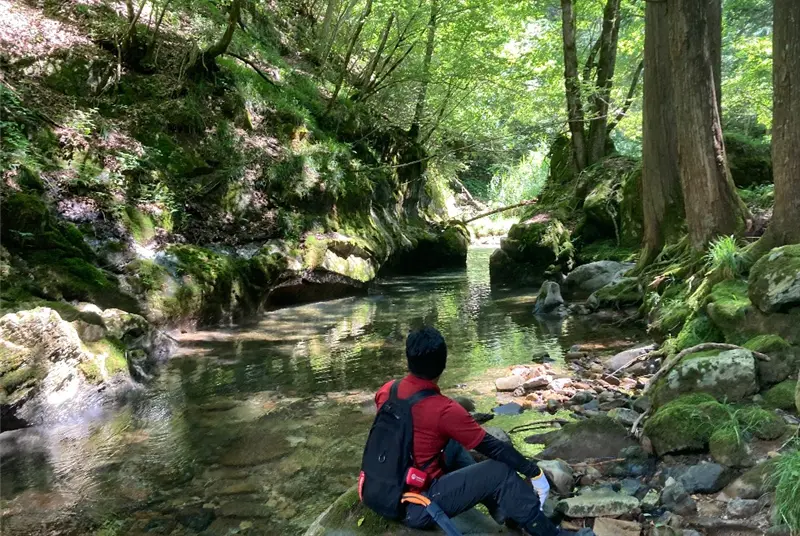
[726,259]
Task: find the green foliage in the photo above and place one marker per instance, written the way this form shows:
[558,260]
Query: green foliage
[781,396]
[787,493]
[698,330]
[726,259]
[759,197]
[749,159]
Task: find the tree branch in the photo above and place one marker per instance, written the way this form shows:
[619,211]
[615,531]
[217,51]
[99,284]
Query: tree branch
[629,98]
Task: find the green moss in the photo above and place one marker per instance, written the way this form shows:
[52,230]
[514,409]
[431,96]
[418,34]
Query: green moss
[114,355]
[698,330]
[767,344]
[91,371]
[670,312]
[347,512]
[626,291]
[728,447]
[762,423]
[139,224]
[781,396]
[21,377]
[685,423]
[607,250]
[728,303]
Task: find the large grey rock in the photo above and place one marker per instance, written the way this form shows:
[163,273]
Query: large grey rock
[559,474]
[705,478]
[598,504]
[549,299]
[743,508]
[597,438]
[590,277]
[774,284]
[623,358]
[728,375]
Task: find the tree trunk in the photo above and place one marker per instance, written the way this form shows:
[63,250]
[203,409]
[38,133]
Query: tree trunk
[324,33]
[785,226]
[219,48]
[715,45]
[713,207]
[573,85]
[606,64]
[366,76]
[419,109]
[661,187]
[353,40]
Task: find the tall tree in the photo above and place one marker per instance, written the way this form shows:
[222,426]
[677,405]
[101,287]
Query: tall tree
[590,145]
[713,207]
[785,225]
[572,83]
[661,187]
[430,43]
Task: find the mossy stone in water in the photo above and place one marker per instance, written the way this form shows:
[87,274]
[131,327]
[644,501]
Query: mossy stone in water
[685,424]
[781,396]
[774,284]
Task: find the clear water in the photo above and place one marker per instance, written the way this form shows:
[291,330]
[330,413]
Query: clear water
[265,424]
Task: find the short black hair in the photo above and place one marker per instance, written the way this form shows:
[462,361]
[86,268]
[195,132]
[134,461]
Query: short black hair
[426,352]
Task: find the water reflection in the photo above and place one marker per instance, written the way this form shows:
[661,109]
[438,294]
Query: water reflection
[263,425]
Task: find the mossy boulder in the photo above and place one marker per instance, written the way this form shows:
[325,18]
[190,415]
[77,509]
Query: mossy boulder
[625,291]
[727,376]
[774,284]
[440,248]
[728,447]
[348,517]
[529,250]
[685,424]
[783,356]
[589,278]
[728,304]
[781,396]
[763,424]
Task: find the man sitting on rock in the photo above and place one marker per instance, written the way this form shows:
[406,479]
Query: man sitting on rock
[443,434]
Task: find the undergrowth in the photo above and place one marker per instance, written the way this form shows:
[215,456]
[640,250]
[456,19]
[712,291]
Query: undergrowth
[787,495]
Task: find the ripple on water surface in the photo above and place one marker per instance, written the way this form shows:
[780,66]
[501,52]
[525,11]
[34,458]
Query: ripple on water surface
[260,427]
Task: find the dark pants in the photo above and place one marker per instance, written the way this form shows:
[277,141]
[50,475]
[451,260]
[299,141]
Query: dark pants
[494,484]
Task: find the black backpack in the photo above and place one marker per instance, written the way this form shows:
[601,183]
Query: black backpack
[389,454]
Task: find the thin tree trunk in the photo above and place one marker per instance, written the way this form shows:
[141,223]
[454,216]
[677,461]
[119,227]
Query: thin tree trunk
[661,188]
[160,19]
[785,225]
[366,76]
[713,207]
[419,109]
[331,39]
[220,47]
[324,34]
[573,85]
[606,64]
[350,48]
[629,97]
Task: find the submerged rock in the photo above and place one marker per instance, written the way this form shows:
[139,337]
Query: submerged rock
[589,278]
[774,283]
[49,374]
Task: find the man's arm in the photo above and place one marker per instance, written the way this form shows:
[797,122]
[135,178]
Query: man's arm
[459,425]
[493,448]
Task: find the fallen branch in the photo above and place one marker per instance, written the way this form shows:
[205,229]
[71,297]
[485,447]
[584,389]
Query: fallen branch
[253,66]
[501,209]
[536,425]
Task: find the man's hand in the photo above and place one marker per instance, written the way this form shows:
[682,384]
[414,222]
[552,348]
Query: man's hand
[542,487]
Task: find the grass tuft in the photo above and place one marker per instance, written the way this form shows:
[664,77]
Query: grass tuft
[726,258]
[787,495]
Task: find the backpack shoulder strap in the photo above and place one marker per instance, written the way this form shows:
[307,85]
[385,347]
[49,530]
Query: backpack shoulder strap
[420,395]
[393,390]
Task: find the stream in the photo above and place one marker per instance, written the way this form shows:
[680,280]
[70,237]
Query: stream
[257,429]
